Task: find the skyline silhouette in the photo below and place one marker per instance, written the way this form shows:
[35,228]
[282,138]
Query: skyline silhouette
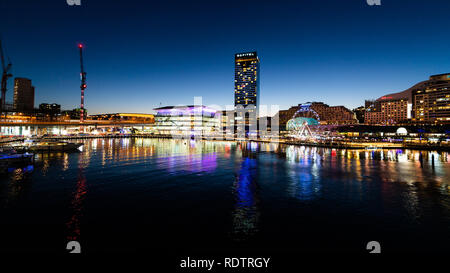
[139,56]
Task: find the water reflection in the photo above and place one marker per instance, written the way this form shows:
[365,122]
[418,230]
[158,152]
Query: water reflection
[403,188]
[245,190]
[405,175]
[304,165]
[203,163]
[18,185]
[74,224]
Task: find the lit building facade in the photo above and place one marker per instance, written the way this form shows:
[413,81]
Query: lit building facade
[246,92]
[23,95]
[431,103]
[74,114]
[388,111]
[51,109]
[130,117]
[226,120]
[48,111]
[186,120]
[395,108]
[246,79]
[330,115]
[360,113]
[427,102]
[323,113]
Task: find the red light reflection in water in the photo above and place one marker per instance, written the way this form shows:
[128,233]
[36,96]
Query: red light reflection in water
[73,226]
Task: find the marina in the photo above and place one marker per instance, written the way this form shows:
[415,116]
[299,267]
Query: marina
[18,153]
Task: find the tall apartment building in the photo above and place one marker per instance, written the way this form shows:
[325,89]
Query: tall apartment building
[431,104]
[23,95]
[427,102]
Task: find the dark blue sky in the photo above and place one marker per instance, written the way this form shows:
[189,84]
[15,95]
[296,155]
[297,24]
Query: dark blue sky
[143,53]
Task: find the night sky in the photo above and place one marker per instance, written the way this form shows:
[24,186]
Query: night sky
[140,54]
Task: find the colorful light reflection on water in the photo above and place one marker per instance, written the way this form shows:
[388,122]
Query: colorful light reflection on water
[213,194]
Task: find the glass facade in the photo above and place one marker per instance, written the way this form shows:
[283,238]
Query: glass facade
[186,120]
[295,123]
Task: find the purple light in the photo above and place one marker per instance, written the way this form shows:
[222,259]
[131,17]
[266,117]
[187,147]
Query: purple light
[186,111]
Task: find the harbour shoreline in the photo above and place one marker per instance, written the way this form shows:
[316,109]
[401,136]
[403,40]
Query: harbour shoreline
[331,145]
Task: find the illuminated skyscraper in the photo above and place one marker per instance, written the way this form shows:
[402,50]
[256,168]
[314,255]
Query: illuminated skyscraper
[246,93]
[246,79]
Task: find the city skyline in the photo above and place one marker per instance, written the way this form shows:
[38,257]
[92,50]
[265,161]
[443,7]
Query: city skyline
[144,63]
[233,135]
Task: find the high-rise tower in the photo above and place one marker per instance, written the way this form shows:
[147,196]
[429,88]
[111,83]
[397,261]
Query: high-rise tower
[246,93]
[23,95]
[246,79]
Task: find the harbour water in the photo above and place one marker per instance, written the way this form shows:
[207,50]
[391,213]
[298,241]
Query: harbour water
[130,195]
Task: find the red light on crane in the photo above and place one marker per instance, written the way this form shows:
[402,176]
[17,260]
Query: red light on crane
[80,46]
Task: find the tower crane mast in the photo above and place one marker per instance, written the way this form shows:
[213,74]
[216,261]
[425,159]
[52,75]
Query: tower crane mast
[83,83]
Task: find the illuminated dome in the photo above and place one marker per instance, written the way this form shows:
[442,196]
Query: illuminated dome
[402,131]
[295,123]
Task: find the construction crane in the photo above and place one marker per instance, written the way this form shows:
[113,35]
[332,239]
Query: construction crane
[5,75]
[83,83]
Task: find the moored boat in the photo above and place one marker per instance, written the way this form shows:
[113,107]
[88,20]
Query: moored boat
[10,159]
[43,146]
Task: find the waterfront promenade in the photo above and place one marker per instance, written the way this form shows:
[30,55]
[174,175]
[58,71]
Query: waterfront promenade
[337,144]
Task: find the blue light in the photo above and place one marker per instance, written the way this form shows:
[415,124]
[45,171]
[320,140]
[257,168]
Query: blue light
[245,187]
[28,168]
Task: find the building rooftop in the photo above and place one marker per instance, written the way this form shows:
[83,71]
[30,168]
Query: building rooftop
[184,107]
[440,75]
[407,94]
[125,115]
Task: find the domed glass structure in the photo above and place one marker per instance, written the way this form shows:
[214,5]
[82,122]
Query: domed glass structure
[402,131]
[296,123]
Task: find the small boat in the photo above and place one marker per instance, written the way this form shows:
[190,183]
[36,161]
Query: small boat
[43,146]
[10,159]
[16,158]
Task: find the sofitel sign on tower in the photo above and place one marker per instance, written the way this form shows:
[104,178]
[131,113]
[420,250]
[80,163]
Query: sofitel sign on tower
[246,93]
